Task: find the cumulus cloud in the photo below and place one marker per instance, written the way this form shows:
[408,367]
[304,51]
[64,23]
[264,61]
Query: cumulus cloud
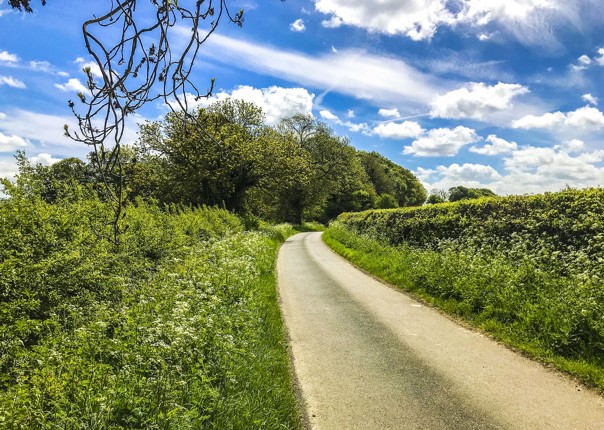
[573,145]
[404,130]
[476,100]
[497,146]
[325,114]
[95,70]
[420,19]
[297,26]
[276,102]
[528,169]
[40,66]
[73,84]
[11,142]
[389,113]
[11,82]
[442,142]
[8,168]
[585,118]
[600,58]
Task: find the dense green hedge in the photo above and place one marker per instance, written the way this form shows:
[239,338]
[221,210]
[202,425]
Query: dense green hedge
[558,229]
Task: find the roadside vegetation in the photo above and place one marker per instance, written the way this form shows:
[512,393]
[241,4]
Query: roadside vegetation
[159,309]
[177,327]
[528,270]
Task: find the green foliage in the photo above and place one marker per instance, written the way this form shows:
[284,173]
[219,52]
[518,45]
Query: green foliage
[179,327]
[297,171]
[527,269]
[462,193]
[388,177]
[386,201]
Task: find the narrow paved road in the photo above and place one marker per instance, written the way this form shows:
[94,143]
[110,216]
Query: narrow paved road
[369,357]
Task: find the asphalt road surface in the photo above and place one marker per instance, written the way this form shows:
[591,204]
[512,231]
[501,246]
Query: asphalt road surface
[369,357]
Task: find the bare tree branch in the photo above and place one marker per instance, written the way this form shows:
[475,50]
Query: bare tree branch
[145,51]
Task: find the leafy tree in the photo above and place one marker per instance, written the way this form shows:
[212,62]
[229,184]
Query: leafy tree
[215,165]
[388,177]
[434,199]
[386,201]
[463,193]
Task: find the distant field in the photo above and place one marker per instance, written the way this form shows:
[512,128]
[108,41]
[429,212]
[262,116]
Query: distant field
[529,270]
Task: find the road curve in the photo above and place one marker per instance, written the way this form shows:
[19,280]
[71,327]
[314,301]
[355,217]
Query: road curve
[369,357]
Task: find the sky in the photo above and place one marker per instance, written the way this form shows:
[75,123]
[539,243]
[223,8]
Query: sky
[503,94]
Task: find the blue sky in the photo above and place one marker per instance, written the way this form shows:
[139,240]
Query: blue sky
[502,94]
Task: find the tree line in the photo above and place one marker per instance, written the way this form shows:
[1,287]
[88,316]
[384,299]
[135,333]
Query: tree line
[294,171]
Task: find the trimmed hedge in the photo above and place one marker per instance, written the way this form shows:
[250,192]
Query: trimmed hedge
[568,223]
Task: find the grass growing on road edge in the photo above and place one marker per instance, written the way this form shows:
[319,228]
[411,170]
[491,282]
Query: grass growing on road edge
[520,305]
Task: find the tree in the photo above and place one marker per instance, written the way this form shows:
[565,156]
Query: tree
[388,177]
[216,166]
[463,193]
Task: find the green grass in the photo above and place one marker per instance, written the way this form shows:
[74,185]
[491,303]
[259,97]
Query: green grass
[557,320]
[179,328]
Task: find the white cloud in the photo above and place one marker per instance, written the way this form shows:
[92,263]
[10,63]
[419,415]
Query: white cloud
[392,130]
[44,159]
[297,26]
[573,145]
[353,73]
[389,113]
[417,19]
[47,130]
[2,116]
[95,70]
[420,19]
[333,22]
[585,118]
[8,168]
[11,142]
[354,127]
[600,58]
[73,84]
[497,146]
[527,170]
[468,172]
[590,99]
[40,66]
[276,102]
[325,114]
[442,142]
[11,82]
[548,120]
[350,113]
[7,57]
[585,60]
[476,100]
